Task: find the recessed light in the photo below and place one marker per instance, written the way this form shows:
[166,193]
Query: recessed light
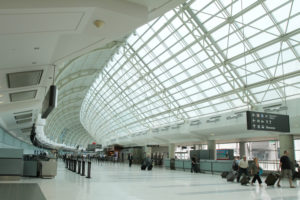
[212,134]
[1,95]
[1,101]
[98,23]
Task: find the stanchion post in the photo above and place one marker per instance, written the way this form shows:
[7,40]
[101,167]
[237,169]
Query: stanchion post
[83,168]
[79,167]
[89,169]
[75,165]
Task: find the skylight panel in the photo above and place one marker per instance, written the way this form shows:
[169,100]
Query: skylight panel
[253,14]
[207,110]
[263,23]
[221,32]
[203,16]
[222,106]
[235,50]
[260,39]
[292,66]
[290,91]
[211,92]
[269,50]
[293,24]
[282,12]
[271,4]
[213,22]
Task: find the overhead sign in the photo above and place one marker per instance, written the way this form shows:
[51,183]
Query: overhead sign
[267,122]
[152,145]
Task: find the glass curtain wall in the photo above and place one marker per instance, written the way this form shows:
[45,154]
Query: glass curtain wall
[201,58]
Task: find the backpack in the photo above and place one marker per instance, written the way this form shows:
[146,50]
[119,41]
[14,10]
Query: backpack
[235,166]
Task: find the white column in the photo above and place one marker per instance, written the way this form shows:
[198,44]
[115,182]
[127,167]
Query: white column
[286,142]
[148,151]
[242,149]
[211,146]
[171,150]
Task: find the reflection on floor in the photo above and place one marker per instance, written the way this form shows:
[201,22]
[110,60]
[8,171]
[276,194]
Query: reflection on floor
[21,191]
[118,181]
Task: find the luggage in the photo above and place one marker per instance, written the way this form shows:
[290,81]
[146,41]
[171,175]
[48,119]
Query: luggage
[143,167]
[197,168]
[271,179]
[224,174]
[245,180]
[231,176]
[150,167]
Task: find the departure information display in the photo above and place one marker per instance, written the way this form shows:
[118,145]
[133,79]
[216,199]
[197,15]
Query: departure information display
[267,122]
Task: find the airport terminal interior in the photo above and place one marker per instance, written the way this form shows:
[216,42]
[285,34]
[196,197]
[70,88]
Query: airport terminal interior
[149,99]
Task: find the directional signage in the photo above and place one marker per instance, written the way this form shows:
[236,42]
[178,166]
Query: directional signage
[267,122]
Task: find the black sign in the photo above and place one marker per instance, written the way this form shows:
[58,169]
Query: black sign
[152,145]
[267,122]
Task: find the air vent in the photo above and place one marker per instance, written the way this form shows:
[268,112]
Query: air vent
[23,79]
[25,130]
[25,116]
[23,112]
[24,121]
[22,96]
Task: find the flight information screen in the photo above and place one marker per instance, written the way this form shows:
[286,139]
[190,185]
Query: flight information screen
[267,122]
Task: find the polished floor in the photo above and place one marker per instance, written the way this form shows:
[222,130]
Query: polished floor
[118,181]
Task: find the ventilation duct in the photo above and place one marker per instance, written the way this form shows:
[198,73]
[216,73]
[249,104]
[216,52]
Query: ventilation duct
[23,79]
[22,96]
[24,121]
[25,116]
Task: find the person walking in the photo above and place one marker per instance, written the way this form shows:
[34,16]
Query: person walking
[130,159]
[243,168]
[193,165]
[255,170]
[286,170]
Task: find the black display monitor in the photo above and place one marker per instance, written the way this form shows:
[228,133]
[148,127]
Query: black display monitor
[267,122]
[49,102]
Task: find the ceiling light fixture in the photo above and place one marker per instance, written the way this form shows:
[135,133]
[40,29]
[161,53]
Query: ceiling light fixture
[98,23]
[1,95]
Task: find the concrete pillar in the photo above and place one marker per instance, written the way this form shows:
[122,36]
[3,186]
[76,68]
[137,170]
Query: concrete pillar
[286,142]
[242,149]
[211,146]
[171,150]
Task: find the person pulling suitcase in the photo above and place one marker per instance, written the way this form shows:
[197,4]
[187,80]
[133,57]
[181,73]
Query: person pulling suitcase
[243,168]
[255,171]
[286,170]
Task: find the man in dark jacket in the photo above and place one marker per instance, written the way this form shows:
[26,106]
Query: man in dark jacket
[286,170]
[130,159]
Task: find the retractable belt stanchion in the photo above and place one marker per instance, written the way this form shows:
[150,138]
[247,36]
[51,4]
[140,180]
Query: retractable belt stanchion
[83,168]
[79,167]
[75,164]
[89,169]
[69,164]
[66,161]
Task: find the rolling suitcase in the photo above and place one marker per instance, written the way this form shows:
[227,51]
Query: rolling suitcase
[224,174]
[245,180]
[271,179]
[231,176]
[143,167]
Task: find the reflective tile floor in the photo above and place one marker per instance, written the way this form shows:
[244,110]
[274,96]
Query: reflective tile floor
[119,182]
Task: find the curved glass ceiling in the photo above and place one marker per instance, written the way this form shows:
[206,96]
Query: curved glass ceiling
[201,58]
